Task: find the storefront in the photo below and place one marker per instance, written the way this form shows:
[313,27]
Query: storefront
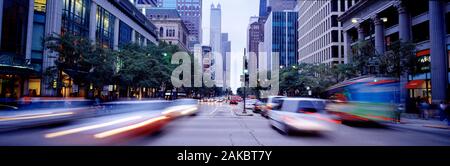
[13,82]
[419,85]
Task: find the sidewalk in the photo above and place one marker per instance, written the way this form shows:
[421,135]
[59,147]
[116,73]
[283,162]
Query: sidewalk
[430,123]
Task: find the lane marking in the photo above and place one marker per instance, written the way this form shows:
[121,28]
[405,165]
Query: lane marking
[81,129]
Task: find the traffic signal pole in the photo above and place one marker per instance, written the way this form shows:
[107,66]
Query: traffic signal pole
[245,80]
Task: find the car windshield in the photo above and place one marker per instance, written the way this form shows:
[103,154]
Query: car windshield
[251,101]
[311,106]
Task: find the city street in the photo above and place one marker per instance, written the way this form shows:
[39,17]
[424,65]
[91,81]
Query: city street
[216,124]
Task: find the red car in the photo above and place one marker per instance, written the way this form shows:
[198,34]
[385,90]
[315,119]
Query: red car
[235,99]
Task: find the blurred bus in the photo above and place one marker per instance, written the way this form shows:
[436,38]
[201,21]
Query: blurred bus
[365,99]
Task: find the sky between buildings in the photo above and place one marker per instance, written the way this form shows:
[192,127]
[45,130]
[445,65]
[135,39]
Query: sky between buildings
[235,19]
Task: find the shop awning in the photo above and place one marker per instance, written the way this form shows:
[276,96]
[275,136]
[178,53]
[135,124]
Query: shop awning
[414,84]
[19,70]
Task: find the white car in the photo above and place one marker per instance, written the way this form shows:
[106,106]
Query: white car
[273,102]
[250,103]
[302,114]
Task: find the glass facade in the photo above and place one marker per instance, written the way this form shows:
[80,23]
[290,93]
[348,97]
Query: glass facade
[124,33]
[284,37]
[105,28]
[37,48]
[75,17]
[14,28]
[172,4]
[40,5]
[140,39]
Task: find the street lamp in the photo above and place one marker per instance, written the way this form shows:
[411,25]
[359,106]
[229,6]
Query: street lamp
[356,20]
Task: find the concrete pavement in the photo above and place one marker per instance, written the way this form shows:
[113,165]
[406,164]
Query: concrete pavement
[217,126]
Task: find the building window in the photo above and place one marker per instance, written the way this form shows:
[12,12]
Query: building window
[39,5]
[140,39]
[170,32]
[124,33]
[14,27]
[161,32]
[75,17]
[417,32]
[335,36]
[37,49]
[105,28]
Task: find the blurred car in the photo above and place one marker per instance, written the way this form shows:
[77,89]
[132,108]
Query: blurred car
[273,102]
[235,99]
[259,106]
[301,114]
[182,107]
[221,100]
[250,104]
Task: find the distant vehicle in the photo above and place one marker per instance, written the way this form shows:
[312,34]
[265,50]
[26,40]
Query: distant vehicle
[250,104]
[235,99]
[259,106]
[301,114]
[272,102]
[182,107]
[365,99]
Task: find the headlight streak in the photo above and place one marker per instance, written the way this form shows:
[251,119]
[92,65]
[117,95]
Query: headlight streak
[128,128]
[77,130]
[36,116]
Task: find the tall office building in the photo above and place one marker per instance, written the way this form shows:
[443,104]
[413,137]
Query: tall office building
[226,50]
[191,14]
[280,5]
[262,8]
[24,23]
[280,37]
[216,42]
[255,35]
[216,28]
[320,33]
[143,5]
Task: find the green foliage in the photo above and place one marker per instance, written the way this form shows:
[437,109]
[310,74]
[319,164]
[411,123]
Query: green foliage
[81,60]
[399,59]
[145,66]
[131,66]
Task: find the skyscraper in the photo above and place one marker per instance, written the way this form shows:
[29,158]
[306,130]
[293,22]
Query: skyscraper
[226,49]
[216,28]
[171,4]
[262,8]
[280,37]
[216,42]
[280,5]
[320,39]
[255,35]
[191,14]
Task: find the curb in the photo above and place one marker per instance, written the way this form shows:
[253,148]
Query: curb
[438,126]
[240,114]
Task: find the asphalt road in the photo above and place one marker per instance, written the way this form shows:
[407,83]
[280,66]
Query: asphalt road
[217,125]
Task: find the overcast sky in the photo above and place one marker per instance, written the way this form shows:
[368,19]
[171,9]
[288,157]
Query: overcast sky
[235,19]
